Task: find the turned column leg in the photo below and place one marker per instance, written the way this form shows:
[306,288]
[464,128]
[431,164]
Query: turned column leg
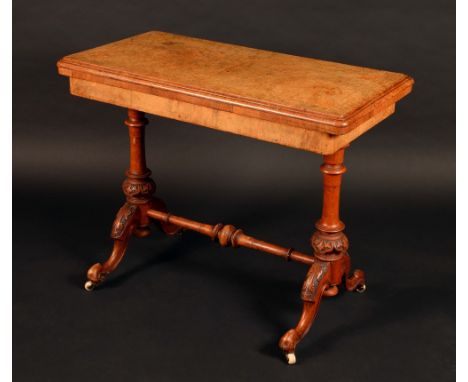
[138,188]
[329,240]
[330,246]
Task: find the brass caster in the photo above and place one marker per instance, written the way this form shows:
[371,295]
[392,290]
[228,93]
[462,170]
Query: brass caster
[290,358]
[89,285]
[361,288]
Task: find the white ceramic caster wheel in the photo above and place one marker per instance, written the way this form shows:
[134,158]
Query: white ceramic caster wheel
[89,285]
[361,288]
[290,358]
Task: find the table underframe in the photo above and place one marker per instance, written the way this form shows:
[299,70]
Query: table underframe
[329,266]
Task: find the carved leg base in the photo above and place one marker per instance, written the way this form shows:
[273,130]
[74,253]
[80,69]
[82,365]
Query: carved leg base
[356,282]
[130,220]
[315,284]
[352,282]
[332,262]
[124,225]
[322,279]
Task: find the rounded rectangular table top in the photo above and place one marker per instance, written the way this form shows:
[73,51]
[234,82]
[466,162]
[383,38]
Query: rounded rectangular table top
[313,94]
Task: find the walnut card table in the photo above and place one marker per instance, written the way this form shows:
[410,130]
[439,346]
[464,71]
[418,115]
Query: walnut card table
[308,104]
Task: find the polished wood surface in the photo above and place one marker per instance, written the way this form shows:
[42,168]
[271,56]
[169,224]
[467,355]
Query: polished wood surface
[309,89]
[332,262]
[329,265]
[287,90]
[286,135]
[228,235]
[132,218]
[299,102]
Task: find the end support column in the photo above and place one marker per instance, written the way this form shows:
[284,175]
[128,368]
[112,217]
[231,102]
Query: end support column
[329,241]
[139,189]
[332,262]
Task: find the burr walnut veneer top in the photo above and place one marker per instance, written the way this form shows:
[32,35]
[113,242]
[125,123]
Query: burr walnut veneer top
[322,95]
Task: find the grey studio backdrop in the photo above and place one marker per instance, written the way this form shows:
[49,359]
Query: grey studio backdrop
[183,309]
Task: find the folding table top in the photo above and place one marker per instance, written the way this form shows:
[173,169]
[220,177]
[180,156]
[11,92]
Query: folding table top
[313,94]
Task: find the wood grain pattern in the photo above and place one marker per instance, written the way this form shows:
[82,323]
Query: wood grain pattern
[298,102]
[300,138]
[132,218]
[228,235]
[332,263]
[294,91]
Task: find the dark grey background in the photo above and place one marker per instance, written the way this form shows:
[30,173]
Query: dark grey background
[183,309]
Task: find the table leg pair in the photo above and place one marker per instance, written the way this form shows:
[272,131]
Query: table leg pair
[329,266]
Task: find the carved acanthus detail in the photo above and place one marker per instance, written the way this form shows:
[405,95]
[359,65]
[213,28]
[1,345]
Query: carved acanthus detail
[310,288]
[325,243]
[138,190]
[123,218]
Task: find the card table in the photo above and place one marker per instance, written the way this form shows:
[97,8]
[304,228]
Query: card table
[303,103]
